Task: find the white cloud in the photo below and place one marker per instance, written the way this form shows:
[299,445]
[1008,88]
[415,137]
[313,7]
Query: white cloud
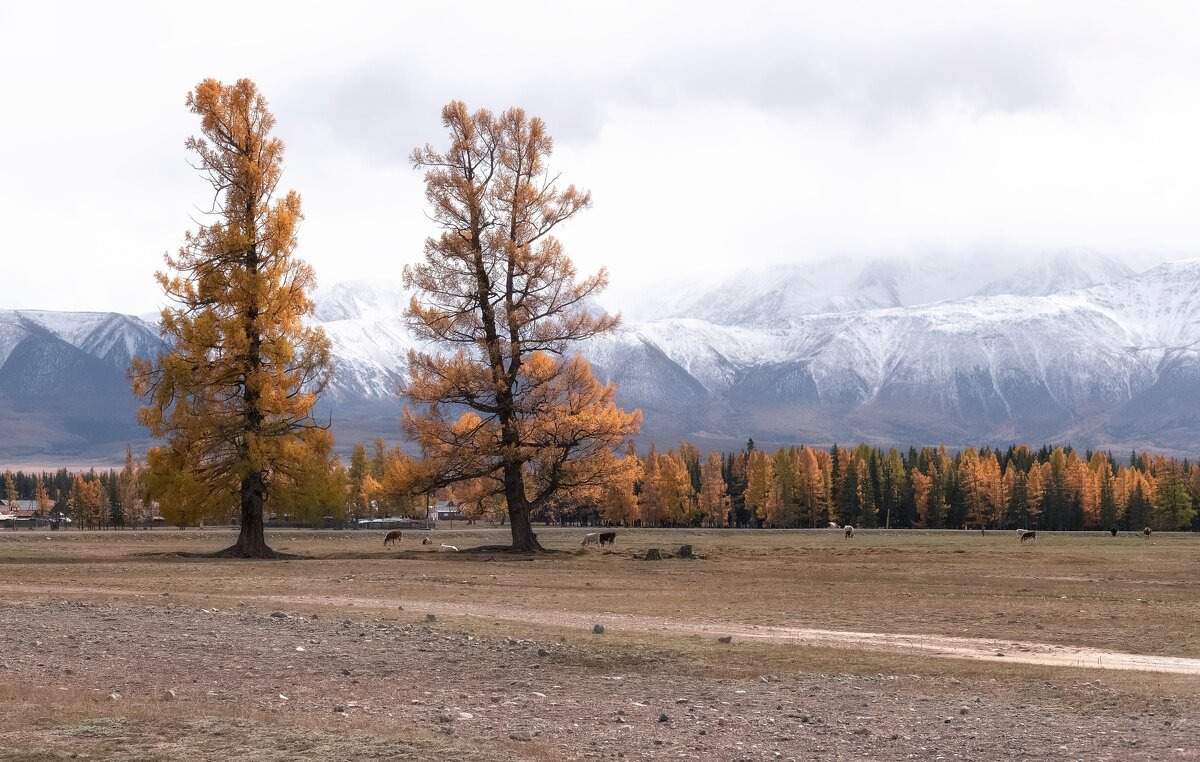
[712,136]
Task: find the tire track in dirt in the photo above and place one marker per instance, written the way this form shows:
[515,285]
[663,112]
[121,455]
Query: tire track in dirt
[941,646]
[938,646]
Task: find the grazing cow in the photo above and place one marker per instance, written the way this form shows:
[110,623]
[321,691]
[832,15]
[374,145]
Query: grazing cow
[591,538]
[833,525]
[446,547]
[426,541]
[1114,531]
[849,531]
[1028,536]
[393,537]
[1021,532]
[1146,533]
[607,538]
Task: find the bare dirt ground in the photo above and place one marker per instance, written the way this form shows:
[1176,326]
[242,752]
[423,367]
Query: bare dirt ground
[883,647]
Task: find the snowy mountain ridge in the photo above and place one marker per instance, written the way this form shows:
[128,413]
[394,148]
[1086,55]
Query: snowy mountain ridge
[1114,362]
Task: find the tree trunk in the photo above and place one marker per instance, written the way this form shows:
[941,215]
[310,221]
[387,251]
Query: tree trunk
[251,541]
[523,539]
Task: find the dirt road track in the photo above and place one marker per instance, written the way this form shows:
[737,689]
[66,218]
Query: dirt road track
[938,646]
[941,646]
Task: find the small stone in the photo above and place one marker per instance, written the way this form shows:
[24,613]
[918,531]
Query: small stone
[167,695]
[346,672]
[862,732]
[543,652]
[465,716]
[725,639]
[445,718]
[166,595]
[68,671]
[114,696]
[521,735]
[278,615]
[999,653]
[339,709]
[598,629]
[300,648]
[663,717]
[963,710]
[431,617]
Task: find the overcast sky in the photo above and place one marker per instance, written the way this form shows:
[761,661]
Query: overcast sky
[712,136]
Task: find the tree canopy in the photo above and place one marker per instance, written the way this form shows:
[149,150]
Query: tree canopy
[233,396]
[507,406]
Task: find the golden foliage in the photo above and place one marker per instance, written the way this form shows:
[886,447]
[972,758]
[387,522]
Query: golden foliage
[496,286]
[233,395]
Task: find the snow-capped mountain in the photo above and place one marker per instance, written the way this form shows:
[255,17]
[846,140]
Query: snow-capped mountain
[1072,350]
[766,295]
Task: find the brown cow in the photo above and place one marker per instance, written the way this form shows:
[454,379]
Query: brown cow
[607,538]
[1028,536]
[426,541]
[393,537]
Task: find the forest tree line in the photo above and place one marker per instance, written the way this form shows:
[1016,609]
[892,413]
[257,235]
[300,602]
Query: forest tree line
[1056,488]
[1048,488]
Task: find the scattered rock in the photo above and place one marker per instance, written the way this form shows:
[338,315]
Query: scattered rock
[963,710]
[167,695]
[662,717]
[278,615]
[521,735]
[598,629]
[445,718]
[543,652]
[725,639]
[68,671]
[346,672]
[114,696]
[431,617]
[339,709]
[862,732]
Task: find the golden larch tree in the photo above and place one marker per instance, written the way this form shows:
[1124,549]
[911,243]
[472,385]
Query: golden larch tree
[619,504]
[233,396]
[506,402]
[714,494]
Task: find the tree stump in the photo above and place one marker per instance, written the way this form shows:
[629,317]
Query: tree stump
[652,555]
[685,551]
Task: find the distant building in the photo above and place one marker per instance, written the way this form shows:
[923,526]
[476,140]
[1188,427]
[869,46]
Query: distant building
[445,510]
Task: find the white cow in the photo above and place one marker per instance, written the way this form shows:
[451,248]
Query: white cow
[446,547]
[591,538]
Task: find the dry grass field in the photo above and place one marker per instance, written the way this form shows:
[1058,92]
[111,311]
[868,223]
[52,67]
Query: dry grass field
[901,645]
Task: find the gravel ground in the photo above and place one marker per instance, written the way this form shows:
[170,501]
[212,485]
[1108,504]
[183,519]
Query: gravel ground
[253,683]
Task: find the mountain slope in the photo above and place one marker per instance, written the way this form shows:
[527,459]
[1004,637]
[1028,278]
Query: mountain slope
[1114,365]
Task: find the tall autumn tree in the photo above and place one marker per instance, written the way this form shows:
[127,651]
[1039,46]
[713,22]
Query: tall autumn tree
[233,396]
[714,497]
[507,402]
